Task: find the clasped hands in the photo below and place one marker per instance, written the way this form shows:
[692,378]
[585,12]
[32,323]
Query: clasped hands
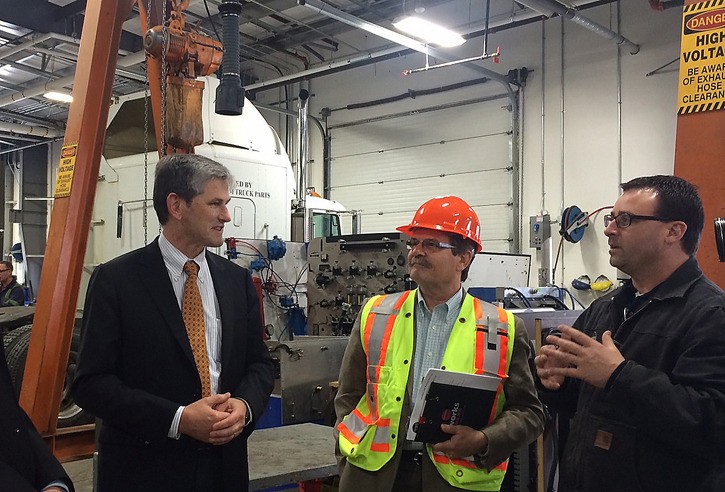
[216,419]
[574,354]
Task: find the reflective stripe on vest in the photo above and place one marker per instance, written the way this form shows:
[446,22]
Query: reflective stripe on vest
[479,341]
[378,319]
[494,334]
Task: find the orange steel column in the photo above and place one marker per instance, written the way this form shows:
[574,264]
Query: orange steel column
[71,216]
[700,159]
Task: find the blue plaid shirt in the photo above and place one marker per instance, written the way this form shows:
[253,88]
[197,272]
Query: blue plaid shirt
[432,331]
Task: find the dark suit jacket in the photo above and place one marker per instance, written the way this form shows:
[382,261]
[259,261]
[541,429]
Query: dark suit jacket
[26,462]
[136,367]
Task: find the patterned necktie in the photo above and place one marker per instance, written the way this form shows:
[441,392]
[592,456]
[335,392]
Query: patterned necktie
[192,311]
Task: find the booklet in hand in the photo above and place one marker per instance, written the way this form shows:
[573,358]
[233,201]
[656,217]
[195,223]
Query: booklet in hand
[454,398]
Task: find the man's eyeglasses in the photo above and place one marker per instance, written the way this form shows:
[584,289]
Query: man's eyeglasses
[429,245]
[625,219]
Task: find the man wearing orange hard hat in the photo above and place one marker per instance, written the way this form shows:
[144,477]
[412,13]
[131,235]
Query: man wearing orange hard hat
[398,337]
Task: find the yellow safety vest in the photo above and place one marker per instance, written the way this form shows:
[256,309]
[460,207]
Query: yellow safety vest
[481,341]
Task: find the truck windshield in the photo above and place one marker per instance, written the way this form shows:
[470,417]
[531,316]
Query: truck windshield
[326,224]
[125,134]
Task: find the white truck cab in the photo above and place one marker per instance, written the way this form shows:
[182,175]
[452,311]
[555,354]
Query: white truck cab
[261,198]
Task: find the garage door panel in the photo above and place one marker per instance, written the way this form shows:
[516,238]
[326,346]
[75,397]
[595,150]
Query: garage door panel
[387,168]
[495,224]
[455,157]
[414,129]
[480,188]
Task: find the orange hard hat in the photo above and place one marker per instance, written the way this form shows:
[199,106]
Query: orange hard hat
[447,214]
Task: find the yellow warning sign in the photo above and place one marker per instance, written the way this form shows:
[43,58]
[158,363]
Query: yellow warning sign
[65,170]
[702,59]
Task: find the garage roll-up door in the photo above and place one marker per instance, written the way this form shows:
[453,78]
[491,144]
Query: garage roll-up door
[389,166]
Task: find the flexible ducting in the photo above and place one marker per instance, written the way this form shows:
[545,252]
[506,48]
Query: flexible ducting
[230,93]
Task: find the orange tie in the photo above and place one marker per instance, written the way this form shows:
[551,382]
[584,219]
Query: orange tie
[192,311]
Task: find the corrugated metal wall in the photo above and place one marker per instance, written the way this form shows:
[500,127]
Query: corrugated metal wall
[390,165]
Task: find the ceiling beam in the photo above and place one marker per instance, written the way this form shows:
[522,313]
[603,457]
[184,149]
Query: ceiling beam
[43,16]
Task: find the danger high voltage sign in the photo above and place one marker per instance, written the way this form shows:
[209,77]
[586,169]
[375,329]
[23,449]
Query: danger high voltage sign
[702,60]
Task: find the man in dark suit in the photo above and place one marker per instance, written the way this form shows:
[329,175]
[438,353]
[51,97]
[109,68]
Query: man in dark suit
[176,415]
[26,463]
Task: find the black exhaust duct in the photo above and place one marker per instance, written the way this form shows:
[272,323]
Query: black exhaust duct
[230,93]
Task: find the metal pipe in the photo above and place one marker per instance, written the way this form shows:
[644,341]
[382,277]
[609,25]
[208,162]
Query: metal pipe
[411,43]
[35,39]
[561,131]
[325,68]
[70,57]
[366,58]
[302,149]
[40,89]
[547,260]
[40,131]
[294,114]
[23,147]
[327,167]
[514,159]
[351,20]
[619,100]
[547,6]
[543,117]
[37,90]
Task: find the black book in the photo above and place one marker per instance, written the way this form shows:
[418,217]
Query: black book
[453,398]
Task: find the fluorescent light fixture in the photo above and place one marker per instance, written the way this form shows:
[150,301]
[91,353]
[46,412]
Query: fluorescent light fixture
[428,31]
[58,96]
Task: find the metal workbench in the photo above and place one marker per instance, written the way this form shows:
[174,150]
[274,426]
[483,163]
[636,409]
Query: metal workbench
[290,454]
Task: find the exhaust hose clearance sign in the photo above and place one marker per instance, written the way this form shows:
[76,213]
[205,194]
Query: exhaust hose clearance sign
[702,60]
[66,168]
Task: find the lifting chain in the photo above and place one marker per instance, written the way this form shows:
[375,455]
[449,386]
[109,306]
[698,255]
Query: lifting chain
[164,75]
[164,70]
[146,140]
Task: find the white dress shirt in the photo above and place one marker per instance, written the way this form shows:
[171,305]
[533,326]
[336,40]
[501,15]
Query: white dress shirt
[174,261]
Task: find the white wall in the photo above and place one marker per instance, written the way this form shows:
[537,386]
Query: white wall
[587,169]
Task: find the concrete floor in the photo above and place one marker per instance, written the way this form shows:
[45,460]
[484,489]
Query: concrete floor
[81,473]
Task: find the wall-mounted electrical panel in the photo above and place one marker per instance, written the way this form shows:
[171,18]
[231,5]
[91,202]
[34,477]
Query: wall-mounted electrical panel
[539,230]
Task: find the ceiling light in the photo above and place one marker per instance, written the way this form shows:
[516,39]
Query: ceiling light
[428,32]
[58,96]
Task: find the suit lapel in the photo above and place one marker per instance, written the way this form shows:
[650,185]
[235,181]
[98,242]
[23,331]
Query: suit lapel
[155,277]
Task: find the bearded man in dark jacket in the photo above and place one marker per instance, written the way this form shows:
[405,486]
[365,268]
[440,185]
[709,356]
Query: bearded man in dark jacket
[643,374]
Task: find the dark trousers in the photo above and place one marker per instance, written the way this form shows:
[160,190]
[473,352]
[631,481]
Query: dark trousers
[410,472]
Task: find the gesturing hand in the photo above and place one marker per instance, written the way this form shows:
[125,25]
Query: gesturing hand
[578,356]
[544,364]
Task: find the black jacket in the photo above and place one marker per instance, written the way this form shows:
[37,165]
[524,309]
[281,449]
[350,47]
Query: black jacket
[13,294]
[659,425]
[136,367]
[26,463]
